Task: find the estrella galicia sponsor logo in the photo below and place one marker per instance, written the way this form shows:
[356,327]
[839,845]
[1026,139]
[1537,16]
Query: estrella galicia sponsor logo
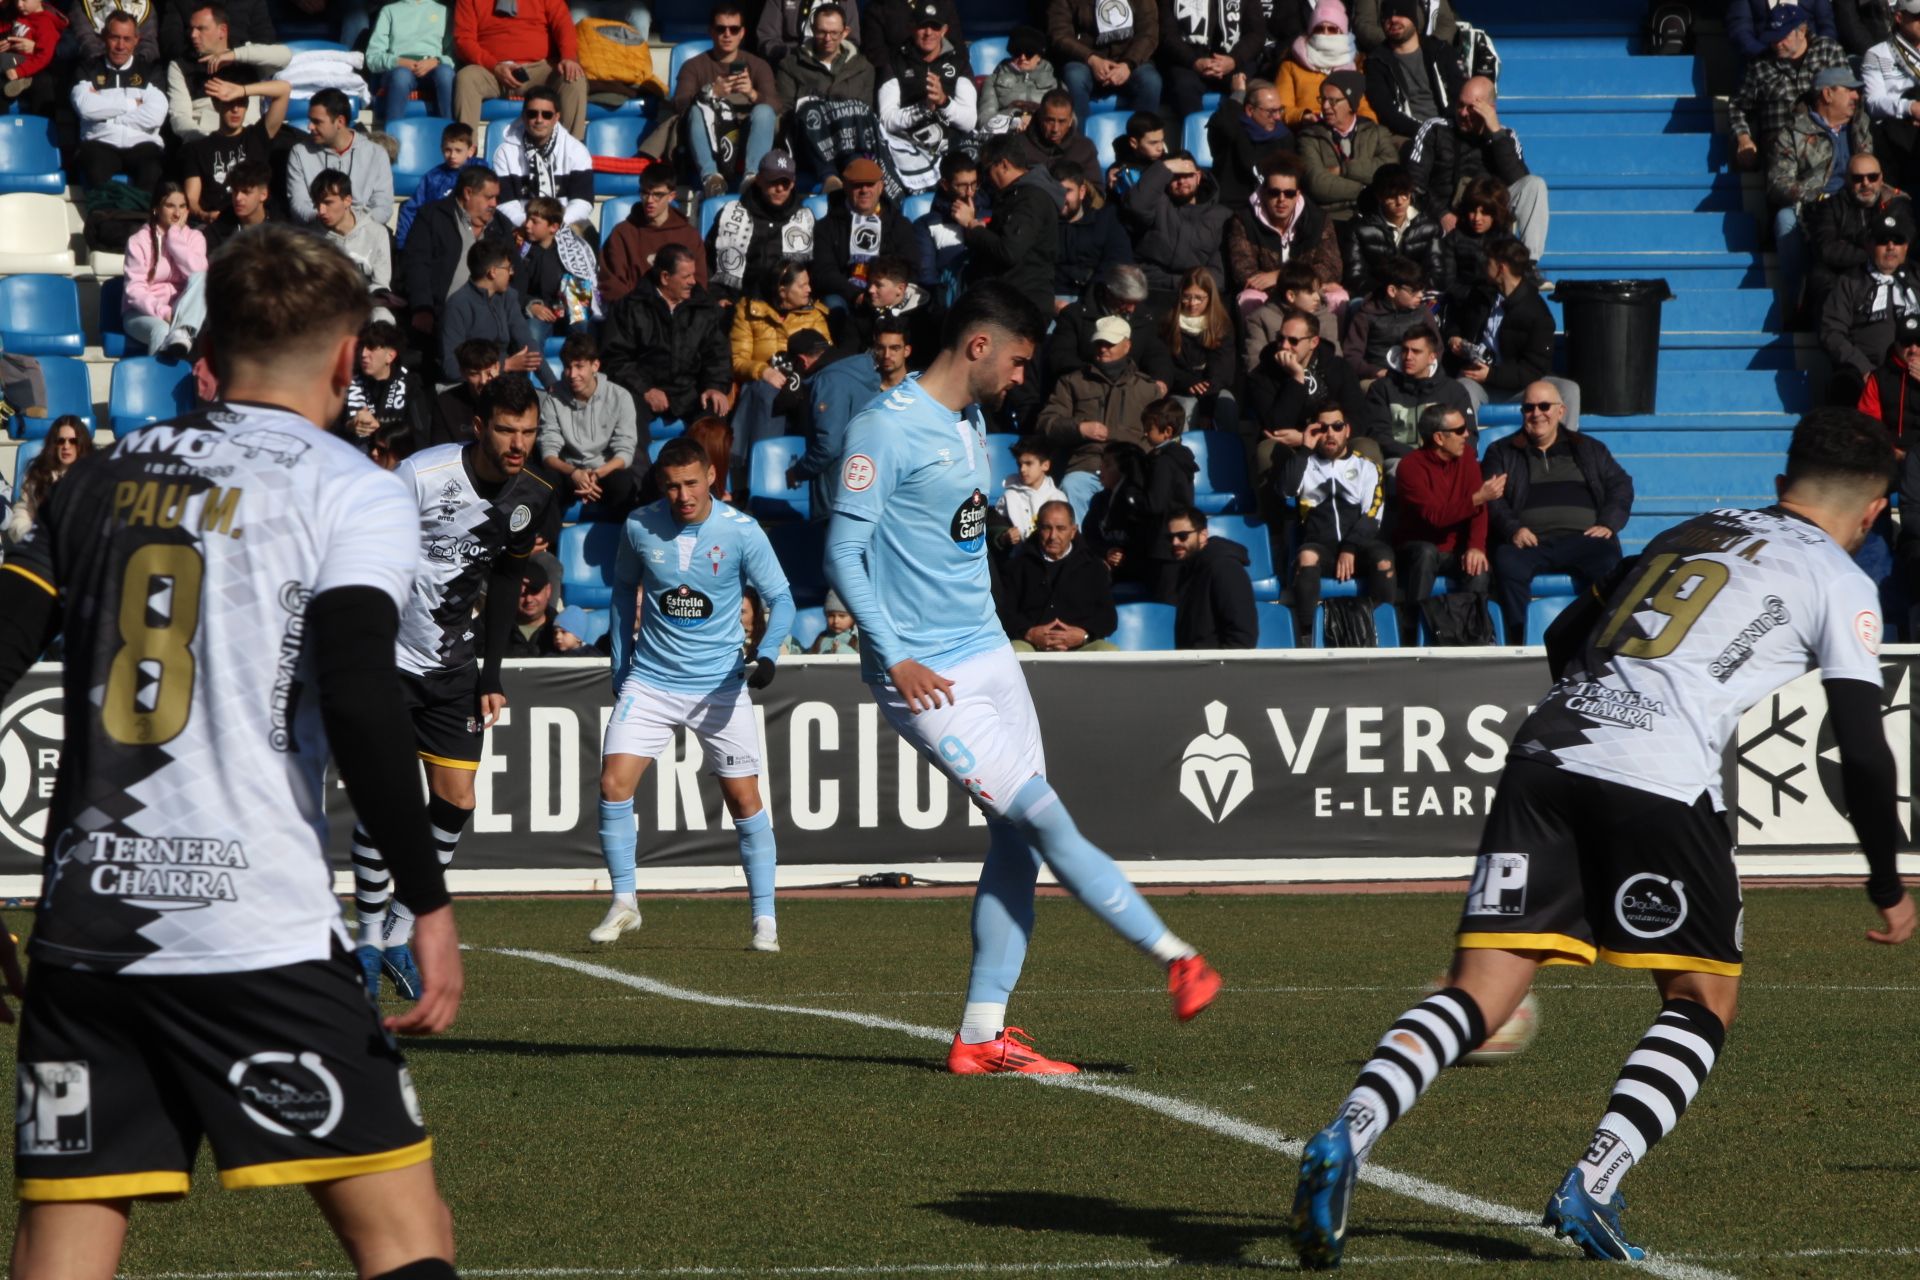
[288,1094]
[53,1109]
[285,702]
[32,729]
[685,607]
[1622,707]
[1773,613]
[1650,906]
[1216,772]
[970,522]
[163,873]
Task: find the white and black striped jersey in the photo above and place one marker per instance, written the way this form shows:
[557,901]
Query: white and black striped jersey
[462,530]
[1717,613]
[187,830]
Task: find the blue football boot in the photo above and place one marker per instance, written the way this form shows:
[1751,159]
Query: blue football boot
[1595,1227]
[369,957]
[1327,1174]
[401,971]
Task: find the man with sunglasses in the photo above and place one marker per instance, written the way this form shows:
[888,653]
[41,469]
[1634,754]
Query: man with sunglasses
[651,224]
[1809,162]
[1339,496]
[728,102]
[538,158]
[1281,226]
[1839,227]
[1297,371]
[506,49]
[1858,319]
[1244,133]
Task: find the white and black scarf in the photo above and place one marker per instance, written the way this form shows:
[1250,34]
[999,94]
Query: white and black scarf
[1112,22]
[1197,26]
[733,238]
[540,165]
[863,239]
[389,406]
[1892,295]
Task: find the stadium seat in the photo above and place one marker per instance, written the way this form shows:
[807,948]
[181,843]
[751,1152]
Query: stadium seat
[681,52]
[1222,483]
[597,623]
[1541,611]
[1386,617]
[1251,534]
[40,316]
[29,160]
[654,447]
[1276,624]
[317,46]
[1000,463]
[613,212]
[1145,627]
[34,235]
[500,109]
[770,498]
[667,430]
[145,390]
[419,139]
[1104,128]
[586,553]
[817,204]
[617,137]
[807,626]
[23,458]
[917,206]
[113,302]
[986,53]
[68,391]
[710,212]
[1194,138]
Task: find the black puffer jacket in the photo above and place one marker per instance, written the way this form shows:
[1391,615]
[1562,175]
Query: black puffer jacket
[1526,337]
[1178,237]
[682,352]
[1607,481]
[767,244]
[1372,244]
[1466,258]
[1021,244]
[833,266]
[1837,229]
[1214,605]
[1087,247]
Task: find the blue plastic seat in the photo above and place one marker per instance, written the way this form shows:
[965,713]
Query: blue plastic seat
[986,53]
[145,390]
[1222,483]
[316,46]
[817,204]
[1251,534]
[614,212]
[1541,611]
[1386,618]
[668,429]
[501,109]
[1104,128]
[113,305]
[681,52]
[807,625]
[1194,138]
[769,495]
[710,212]
[23,458]
[618,137]
[1276,624]
[419,139]
[69,391]
[917,206]
[596,624]
[654,447]
[586,553]
[40,316]
[29,160]
[1145,627]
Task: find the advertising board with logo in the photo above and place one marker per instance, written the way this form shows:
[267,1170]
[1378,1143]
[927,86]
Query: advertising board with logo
[1226,767]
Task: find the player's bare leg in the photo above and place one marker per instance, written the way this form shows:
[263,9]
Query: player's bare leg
[757,855]
[620,775]
[389,1220]
[449,808]
[69,1240]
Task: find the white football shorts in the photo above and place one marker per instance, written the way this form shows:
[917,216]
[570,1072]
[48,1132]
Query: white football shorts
[988,739]
[645,719]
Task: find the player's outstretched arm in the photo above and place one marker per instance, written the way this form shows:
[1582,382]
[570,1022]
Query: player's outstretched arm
[351,634]
[29,620]
[1870,786]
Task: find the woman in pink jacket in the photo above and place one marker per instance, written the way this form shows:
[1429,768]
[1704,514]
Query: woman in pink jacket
[161,257]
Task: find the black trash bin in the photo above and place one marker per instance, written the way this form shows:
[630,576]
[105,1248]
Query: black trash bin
[1613,342]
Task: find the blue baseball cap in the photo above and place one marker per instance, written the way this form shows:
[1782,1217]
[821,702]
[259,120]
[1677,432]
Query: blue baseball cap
[1787,19]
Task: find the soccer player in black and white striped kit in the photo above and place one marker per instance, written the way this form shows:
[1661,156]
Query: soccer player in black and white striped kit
[1608,837]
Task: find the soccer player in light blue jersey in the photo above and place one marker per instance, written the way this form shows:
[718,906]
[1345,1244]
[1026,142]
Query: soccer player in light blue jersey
[907,551]
[689,667]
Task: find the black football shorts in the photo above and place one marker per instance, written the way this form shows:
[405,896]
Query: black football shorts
[1580,868]
[287,1072]
[445,706]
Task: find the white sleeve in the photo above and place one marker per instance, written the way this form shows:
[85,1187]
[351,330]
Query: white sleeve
[1846,642]
[962,111]
[372,534]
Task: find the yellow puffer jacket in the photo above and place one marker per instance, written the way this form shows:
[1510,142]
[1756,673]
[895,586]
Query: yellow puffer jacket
[761,331]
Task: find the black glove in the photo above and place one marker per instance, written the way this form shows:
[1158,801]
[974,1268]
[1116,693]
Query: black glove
[760,673]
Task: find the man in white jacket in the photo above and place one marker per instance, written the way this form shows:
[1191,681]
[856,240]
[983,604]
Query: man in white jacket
[928,105]
[536,157]
[121,108]
[1891,72]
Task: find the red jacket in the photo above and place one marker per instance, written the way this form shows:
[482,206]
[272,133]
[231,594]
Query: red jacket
[541,32]
[44,29]
[1436,501]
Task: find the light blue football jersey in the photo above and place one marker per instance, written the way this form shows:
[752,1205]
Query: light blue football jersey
[690,637]
[918,471]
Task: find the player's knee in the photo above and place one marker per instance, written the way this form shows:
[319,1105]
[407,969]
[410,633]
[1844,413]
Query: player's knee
[1308,559]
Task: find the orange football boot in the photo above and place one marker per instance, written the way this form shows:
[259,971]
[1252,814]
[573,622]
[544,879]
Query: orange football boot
[1004,1054]
[1193,984]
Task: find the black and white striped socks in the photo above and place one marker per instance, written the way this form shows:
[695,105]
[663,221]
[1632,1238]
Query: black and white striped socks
[1427,1039]
[1662,1074]
[372,887]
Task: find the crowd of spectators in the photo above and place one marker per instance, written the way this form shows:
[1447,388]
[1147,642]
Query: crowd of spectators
[1340,283]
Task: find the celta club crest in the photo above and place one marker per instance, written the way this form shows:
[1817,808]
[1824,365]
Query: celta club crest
[1216,773]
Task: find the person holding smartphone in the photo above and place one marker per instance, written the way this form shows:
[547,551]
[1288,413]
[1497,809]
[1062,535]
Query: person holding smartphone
[728,103]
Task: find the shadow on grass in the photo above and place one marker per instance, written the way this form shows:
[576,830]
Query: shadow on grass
[685,1052]
[1481,1246]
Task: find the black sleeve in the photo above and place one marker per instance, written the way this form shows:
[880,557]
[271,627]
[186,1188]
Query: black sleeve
[1869,783]
[351,633]
[29,620]
[503,597]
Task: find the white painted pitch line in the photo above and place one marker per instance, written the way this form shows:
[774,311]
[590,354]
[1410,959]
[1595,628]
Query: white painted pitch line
[1207,1118]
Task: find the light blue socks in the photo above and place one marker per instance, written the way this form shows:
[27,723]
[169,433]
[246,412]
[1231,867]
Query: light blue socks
[618,839]
[757,856]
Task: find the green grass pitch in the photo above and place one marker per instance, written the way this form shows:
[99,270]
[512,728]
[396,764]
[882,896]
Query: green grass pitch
[588,1128]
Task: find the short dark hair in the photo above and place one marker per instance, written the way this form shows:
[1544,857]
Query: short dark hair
[1425,332]
[275,290]
[1166,413]
[1400,271]
[485,256]
[894,324]
[1193,515]
[724,7]
[383,333]
[1031,447]
[1178,153]
[1512,255]
[955,163]
[1844,446]
[476,354]
[1290,314]
[247,176]
[1065,170]
[329,182]
[1011,147]
[509,393]
[1391,180]
[829,7]
[457,132]
[656,176]
[333,102]
[669,257]
[992,304]
[472,178]
[682,452]
[890,266]
[1295,276]
[544,92]
[1142,123]
[579,346]
[121,15]
[219,12]
[1276,164]
[1057,98]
